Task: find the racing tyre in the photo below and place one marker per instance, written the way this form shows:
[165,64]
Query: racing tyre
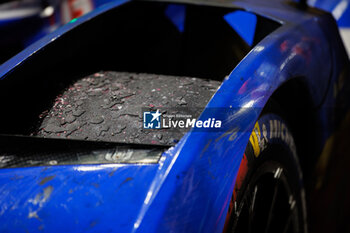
[268,194]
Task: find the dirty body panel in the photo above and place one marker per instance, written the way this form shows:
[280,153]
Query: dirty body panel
[190,187]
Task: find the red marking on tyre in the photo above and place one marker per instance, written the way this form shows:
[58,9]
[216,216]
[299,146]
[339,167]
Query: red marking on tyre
[242,172]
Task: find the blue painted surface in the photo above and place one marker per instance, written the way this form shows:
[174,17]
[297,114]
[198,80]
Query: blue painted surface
[177,14]
[190,189]
[74,198]
[244,23]
[339,8]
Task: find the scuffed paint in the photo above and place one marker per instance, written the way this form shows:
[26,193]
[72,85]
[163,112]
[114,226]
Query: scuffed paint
[39,201]
[46,179]
[190,188]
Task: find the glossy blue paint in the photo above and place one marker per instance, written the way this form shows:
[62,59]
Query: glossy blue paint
[74,198]
[243,23]
[210,161]
[340,10]
[190,189]
[177,13]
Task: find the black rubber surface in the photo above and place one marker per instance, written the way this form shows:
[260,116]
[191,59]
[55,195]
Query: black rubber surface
[261,206]
[108,106]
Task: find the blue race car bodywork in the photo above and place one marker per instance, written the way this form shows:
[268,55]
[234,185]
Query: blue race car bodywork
[26,21]
[190,188]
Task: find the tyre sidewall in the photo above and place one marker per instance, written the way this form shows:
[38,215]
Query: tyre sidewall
[271,141]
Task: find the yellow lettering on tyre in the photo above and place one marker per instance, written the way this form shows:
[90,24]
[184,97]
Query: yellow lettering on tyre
[255,139]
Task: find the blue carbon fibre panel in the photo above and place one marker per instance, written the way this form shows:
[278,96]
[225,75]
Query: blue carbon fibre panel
[62,199]
[190,189]
[339,8]
[210,161]
[243,23]
[177,13]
